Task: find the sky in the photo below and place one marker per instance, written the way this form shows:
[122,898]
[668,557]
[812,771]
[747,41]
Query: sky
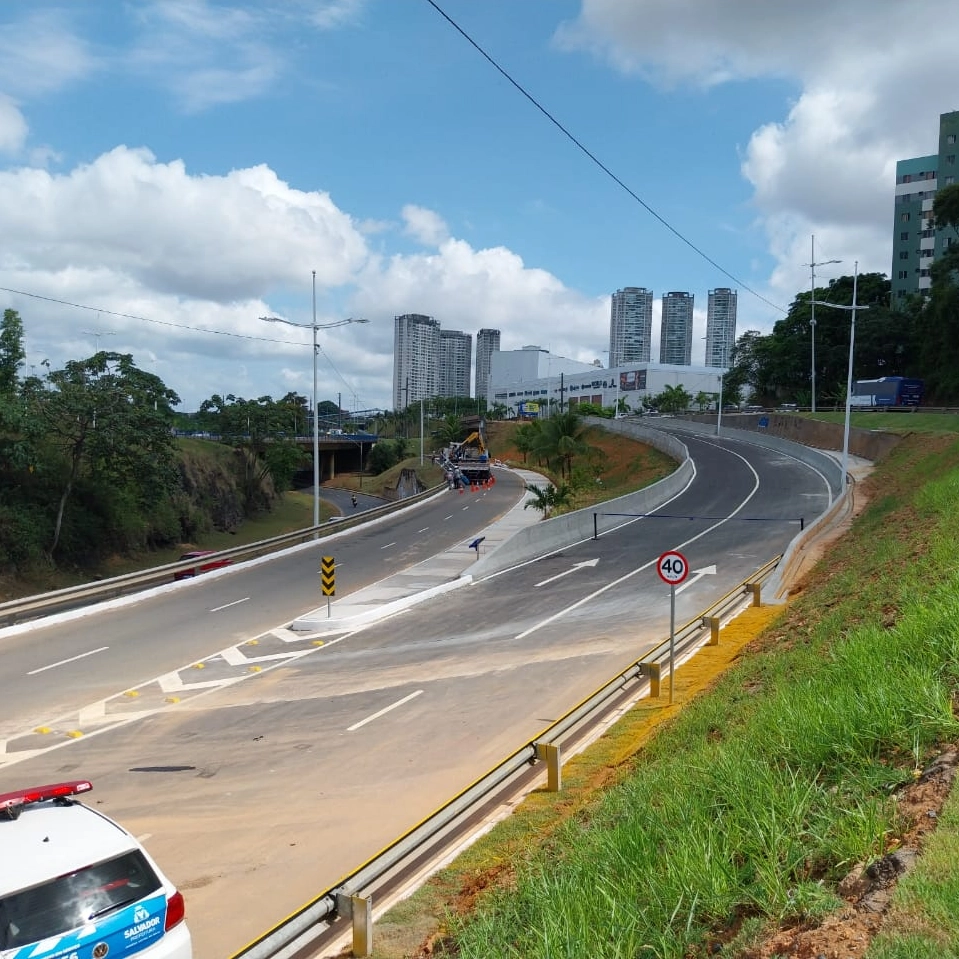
[173,170]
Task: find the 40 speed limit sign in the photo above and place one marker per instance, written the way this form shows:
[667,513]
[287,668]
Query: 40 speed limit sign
[672,568]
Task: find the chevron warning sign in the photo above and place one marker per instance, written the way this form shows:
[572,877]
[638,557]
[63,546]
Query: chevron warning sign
[328,576]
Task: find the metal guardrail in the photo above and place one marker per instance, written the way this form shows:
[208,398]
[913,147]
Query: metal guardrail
[351,897]
[73,597]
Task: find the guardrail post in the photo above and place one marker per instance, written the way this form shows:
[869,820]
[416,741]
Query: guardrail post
[713,623]
[756,590]
[554,767]
[360,911]
[652,672]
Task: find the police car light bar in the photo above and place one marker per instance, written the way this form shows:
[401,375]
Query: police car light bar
[12,803]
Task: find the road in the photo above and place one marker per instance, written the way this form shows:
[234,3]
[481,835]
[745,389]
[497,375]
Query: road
[268,779]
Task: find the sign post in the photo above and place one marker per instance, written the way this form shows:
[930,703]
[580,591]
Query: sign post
[328,581]
[673,570]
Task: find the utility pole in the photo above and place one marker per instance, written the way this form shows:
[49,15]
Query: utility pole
[812,317]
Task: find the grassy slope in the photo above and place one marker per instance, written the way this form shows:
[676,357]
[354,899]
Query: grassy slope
[751,802]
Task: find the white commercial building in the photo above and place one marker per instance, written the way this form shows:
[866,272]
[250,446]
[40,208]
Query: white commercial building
[532,381]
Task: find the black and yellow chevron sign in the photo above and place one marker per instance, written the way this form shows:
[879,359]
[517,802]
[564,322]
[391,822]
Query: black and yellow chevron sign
[328,576]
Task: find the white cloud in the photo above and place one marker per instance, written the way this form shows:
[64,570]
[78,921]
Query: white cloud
[39,54]
[329,14]
[215,237]
[873,74]
[424,225]
[206,54]
[13,127]
[140,240]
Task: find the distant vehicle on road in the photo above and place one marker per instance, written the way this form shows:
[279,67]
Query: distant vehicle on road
[202,567]
[887,391]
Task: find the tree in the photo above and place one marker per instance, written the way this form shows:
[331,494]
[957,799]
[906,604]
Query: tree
[945,207]
[673,399]
[258,430]
[12,353]
[561,437]
[111,422]
[450,430]
[547,498]
[527,438]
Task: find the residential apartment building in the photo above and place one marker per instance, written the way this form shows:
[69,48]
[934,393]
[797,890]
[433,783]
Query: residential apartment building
[416,348]
[630,325]
[720,326]
[915,241]
[455,361]
[676,331]
[487,343]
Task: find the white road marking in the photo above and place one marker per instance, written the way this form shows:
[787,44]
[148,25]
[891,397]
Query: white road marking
[447,517]
[423,530]
[63,662]
[235,602]
[697,574]
[388,545]
[383,711]
[622,579]
[572,569]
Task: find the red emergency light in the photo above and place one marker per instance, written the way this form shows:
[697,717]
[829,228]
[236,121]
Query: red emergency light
[11,804]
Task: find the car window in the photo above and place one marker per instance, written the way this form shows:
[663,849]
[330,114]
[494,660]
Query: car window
[70,901]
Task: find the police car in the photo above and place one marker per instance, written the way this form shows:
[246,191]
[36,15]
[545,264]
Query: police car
[76,885]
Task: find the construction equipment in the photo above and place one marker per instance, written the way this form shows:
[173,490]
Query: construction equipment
[470,457]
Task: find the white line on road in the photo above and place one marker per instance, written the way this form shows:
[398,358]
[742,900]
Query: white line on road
[235,602]
[383,711]
[575,566]
[388,545]
[63,662]
[423,530]
[448,517]
[639,569]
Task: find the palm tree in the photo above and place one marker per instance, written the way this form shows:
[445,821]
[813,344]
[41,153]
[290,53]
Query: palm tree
[449,430]
[562,438]
[547,498]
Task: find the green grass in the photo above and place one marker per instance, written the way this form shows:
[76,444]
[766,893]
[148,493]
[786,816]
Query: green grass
[747,808]
[893,422]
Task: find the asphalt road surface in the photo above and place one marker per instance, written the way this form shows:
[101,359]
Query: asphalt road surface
[259,781]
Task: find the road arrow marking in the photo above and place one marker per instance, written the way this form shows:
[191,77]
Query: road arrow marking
[696,574]
[576,566]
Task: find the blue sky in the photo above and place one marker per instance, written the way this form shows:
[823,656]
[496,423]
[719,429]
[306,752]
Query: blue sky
[191,163]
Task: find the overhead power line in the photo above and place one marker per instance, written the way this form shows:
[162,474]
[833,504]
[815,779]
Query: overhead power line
[592,156]
[178,326]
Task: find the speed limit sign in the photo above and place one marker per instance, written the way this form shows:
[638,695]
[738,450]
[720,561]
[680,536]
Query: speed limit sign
[672,568]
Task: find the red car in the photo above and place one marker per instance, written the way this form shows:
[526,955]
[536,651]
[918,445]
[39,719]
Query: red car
[203,567]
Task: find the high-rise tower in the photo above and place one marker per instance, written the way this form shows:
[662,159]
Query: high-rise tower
[676,336]
[416,340]
[915,241]
[455,359]
[720,326]
[487,343]
[630,326]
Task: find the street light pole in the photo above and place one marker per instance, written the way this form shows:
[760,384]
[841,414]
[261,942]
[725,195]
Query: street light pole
[316,427]
[852,341]
[812,316]
[719,415]
[314,326]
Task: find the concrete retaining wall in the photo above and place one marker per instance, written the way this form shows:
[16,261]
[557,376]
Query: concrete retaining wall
[827,465]
[562,531]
